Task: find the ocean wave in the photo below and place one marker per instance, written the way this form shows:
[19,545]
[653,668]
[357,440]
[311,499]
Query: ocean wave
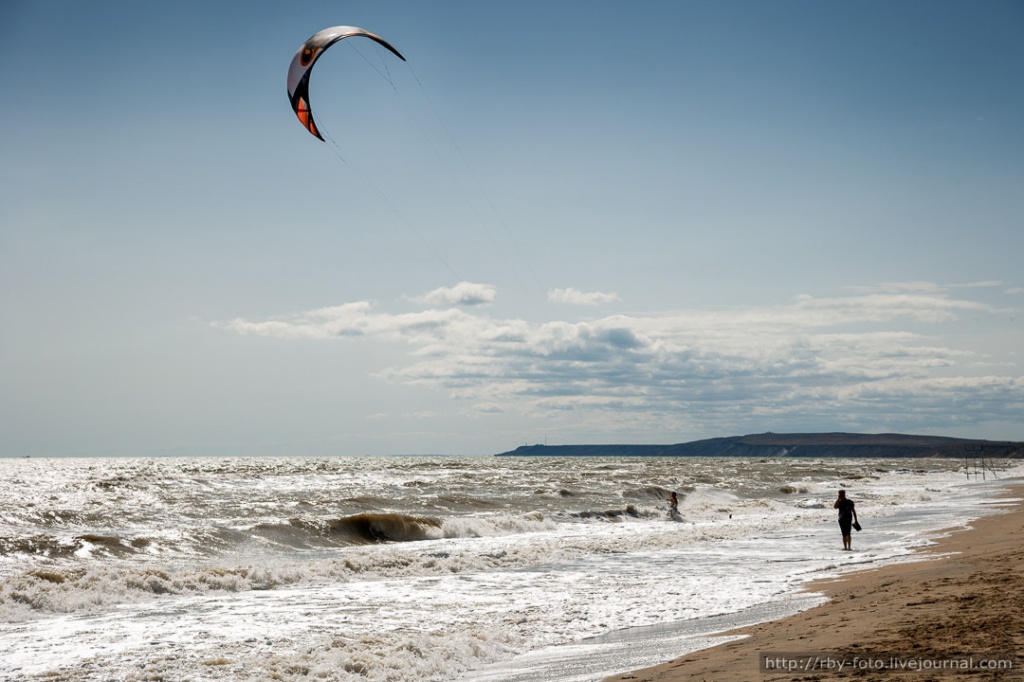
[495,525]
[48,546]
[373,547]
[608,514]
[358,529]
[459,545]
[375,528]
[385,527]
[65,547]
[647,492]
[47,590]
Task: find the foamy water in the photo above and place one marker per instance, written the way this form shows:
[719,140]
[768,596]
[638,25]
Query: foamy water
[428,568]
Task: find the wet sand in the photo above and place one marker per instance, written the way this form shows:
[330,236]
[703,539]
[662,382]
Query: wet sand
[958,614]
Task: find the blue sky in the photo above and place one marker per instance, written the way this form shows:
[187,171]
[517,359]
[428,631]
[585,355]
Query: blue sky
[572,221]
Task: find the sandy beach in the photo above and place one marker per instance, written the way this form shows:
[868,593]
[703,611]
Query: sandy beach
[956,614]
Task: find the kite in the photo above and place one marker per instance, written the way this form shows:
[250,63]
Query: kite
[305,58]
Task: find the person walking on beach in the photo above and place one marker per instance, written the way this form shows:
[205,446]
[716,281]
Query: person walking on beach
[847,517]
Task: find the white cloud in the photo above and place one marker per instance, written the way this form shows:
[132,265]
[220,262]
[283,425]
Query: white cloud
[873,358]
[463,293]
[348,320]
[577,297]
[984,284]
[898,287]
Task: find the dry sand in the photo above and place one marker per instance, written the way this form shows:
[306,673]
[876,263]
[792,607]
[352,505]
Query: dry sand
[957,609]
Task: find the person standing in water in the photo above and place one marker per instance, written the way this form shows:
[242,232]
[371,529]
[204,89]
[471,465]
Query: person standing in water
[847,517]
[673,506]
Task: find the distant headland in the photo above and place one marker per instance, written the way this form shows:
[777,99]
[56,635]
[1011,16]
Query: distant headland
[793,445]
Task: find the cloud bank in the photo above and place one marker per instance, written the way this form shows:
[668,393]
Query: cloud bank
[463,293]
[577,297]
[877,359]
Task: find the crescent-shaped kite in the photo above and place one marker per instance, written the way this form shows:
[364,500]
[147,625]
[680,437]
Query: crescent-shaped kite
[305,58]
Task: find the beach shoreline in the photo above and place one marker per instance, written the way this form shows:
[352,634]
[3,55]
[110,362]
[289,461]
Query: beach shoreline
[956,612]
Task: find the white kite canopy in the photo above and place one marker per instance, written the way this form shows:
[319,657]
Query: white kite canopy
[305,58]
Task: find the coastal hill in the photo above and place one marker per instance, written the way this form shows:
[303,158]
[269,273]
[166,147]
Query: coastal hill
[793,445]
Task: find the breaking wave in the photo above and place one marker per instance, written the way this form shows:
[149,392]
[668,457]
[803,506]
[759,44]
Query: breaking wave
[358,529]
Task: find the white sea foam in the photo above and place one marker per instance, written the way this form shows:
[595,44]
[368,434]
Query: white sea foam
[254,569]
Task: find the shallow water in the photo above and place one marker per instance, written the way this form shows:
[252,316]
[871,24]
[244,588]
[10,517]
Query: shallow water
[427,567]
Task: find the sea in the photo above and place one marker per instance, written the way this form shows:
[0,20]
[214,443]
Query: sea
[434,568]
